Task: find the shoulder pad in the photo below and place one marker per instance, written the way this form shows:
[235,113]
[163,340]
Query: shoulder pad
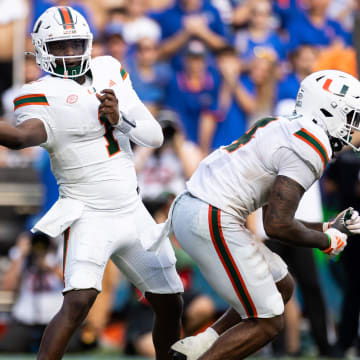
[311,144]
[109,62]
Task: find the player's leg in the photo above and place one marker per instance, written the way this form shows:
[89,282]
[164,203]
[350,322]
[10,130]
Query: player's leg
[245,337]
[231,317]
[161,287]
[85,257]
[156,277]
[167,322]
[75,307]
[238,271]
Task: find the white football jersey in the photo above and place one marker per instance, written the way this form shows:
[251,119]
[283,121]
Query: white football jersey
[91,161]
[238,178]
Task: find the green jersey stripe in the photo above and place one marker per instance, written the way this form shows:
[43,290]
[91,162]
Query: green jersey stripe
[314,143]
[30,100]
[229,263]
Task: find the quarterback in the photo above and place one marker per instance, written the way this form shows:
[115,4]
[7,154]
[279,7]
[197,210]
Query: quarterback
[84,113]
[270,166]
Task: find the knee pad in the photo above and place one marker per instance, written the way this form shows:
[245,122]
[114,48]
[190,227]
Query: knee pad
[84,276]
[275,304]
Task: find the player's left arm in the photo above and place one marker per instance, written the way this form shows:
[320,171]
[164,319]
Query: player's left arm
[279,216]
[347,221]
[317,226]
[138,123]
[294,177]
[280,223]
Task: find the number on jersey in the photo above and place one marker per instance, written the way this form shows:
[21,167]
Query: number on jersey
[112,146]
[244,139]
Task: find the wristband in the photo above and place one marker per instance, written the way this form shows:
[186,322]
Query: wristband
[326,226]
[329,249]
[124,125]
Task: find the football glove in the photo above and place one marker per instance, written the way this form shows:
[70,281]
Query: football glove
[347,217]
[353,224]
[337,242]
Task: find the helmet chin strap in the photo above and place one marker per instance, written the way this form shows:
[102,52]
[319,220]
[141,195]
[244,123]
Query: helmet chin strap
[61,71]
[336,144]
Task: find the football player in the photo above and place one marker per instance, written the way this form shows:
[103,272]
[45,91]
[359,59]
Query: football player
[270,166]
[84,113]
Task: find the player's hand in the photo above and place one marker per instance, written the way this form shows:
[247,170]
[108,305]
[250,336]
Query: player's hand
[353,224]
[337,242]
[340,222]
[109,105]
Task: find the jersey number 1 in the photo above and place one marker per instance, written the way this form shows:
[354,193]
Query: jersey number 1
[112,146]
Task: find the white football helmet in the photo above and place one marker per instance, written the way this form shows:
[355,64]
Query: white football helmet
[331,98]
[61,23]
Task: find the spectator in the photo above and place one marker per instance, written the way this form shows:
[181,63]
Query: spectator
[302,61]
[136,24]
[225,8]
[98,47]
[186,20]
[35,273]
[115,42]
[260,34]
[31,73]
[166,169]
[236,99]
[286,11]
[343,11]
[316,28]
[149,77]
[338,57]
[241,13]
[192,93]
[263,75]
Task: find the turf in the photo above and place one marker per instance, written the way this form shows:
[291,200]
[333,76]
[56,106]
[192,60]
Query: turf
[118,357]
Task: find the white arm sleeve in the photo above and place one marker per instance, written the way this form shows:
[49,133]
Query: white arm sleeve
[291,165]
[147,131]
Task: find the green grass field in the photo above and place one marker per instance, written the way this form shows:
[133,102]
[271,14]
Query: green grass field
[119,357]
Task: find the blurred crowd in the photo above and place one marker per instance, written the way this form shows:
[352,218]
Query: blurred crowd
[206,69]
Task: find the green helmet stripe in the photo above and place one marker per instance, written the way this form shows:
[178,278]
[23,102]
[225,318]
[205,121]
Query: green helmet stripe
[62,17]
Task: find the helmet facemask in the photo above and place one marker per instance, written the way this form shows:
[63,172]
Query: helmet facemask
[352,124]
[60,64]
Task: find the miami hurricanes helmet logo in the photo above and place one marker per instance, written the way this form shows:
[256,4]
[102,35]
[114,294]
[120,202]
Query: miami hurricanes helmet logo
[342,92]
